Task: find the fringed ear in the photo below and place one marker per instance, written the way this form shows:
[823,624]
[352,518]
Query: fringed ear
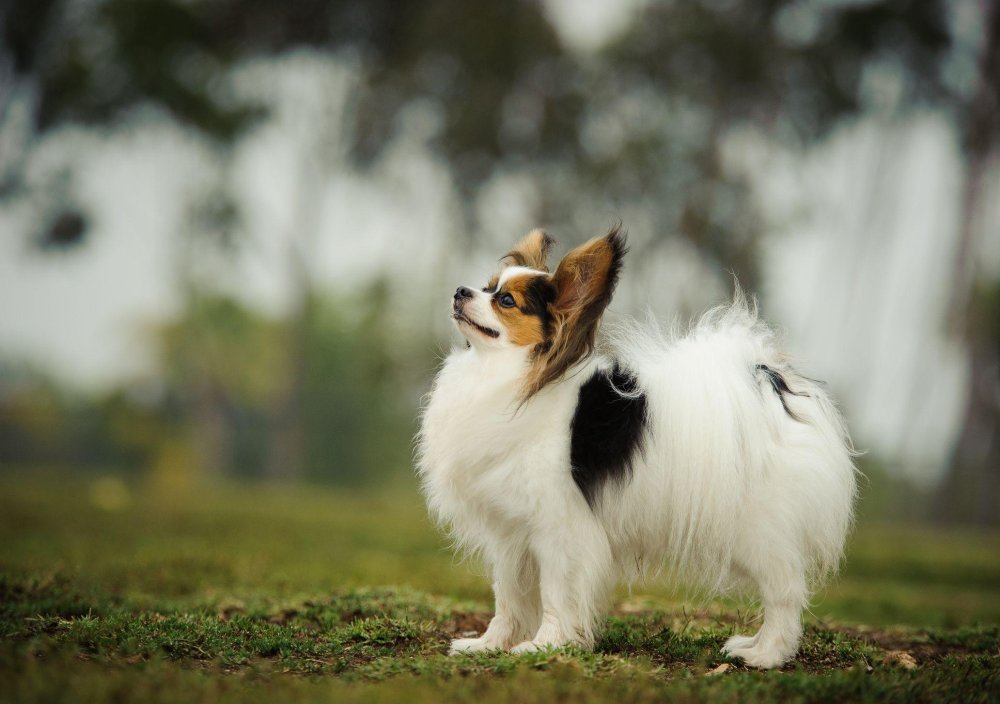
[532,251]
[585,279]
[584,282]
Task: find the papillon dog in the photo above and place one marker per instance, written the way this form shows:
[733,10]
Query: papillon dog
[570,462]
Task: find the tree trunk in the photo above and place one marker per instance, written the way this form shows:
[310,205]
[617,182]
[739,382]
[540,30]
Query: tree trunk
[970,491]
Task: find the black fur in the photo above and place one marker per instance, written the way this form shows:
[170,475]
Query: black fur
[608,430]
[780,387]
[537,297]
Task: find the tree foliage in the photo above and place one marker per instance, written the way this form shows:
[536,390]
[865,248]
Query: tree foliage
[641,122]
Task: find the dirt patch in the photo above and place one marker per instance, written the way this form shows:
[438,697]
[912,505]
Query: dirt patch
[461,625]
[918,645]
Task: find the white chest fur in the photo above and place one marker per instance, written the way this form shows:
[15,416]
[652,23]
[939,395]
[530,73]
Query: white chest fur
[484,456]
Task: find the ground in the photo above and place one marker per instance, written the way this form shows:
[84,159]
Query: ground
[115,592]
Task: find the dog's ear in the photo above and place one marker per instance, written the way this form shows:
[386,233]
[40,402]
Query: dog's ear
[585,279]
[532,251]
[584,282]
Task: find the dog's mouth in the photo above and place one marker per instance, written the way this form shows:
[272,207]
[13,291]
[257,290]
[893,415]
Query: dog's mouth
[463,318]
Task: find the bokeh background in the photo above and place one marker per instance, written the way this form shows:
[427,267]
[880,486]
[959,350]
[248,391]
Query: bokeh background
[229,229]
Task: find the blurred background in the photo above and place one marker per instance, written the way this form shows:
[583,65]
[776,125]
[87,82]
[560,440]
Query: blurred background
[230,229]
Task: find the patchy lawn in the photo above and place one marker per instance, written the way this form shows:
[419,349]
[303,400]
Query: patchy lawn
[282,595]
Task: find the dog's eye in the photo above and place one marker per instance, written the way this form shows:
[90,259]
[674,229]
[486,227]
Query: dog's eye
[506,300]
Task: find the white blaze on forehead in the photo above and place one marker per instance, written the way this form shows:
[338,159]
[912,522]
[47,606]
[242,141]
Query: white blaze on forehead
[512,271]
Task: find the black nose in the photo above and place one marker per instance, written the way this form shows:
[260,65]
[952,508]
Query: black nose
[463,292]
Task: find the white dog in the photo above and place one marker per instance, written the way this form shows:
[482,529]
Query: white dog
[568,471]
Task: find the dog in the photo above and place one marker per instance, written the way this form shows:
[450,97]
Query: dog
[569,463]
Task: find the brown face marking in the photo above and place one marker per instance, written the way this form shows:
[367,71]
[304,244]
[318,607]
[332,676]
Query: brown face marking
[528,321]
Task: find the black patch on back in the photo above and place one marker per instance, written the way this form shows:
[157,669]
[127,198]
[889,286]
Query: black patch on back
[780,387]
[608,430]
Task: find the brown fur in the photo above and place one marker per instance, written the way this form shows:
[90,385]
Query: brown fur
[524,327]
[532,251]
[584,282]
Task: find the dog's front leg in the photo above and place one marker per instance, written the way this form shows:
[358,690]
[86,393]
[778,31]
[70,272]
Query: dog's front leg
[576,571]
[518,605]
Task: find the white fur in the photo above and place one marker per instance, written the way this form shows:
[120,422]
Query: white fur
[731,493]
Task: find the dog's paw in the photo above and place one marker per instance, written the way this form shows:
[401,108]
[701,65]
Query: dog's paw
[759,656]
[738,643]
[528,646]
[471,645]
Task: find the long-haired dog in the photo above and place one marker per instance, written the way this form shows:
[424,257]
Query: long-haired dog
[567,470]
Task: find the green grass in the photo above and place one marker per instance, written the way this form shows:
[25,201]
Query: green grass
[246,593]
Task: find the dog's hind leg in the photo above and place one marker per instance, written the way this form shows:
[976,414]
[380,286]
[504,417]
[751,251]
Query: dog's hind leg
[783,594]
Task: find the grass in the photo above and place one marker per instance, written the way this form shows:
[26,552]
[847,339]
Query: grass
[276,594]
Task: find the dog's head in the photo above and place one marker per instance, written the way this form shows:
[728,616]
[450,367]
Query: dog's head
[552,315]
